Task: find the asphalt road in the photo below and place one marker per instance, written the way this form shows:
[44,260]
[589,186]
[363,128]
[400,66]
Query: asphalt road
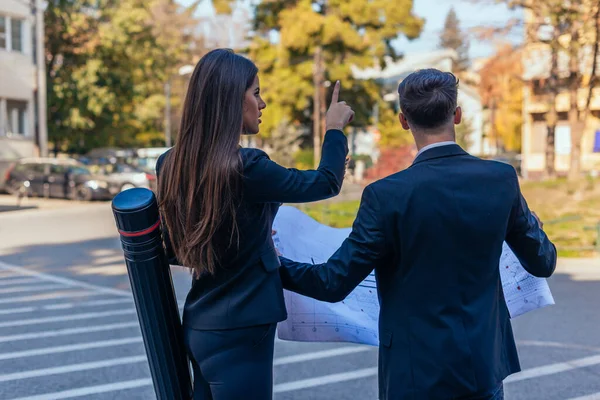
[68,327]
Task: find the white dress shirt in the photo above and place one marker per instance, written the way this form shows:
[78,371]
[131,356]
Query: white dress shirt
[432,145]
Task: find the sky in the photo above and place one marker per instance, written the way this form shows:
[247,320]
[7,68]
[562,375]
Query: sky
[470,13]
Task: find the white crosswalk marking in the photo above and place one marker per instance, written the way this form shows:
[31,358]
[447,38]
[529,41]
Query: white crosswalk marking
[71,347]
[20,271]
[34,288]
[324,380]
[68,331]
[64,306]
[320,354]
[71,368]
[554,368]
[90,303]
[50,296]
[73,317]
[110,354]
[18,281]
[90,390]
[593,396]
[9,274]
[18,310]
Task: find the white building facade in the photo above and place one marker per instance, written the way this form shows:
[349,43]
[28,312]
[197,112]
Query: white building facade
[17,78]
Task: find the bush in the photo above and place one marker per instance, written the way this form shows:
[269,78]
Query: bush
[304,159]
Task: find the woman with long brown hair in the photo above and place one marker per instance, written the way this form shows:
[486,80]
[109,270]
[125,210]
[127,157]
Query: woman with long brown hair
[218,202]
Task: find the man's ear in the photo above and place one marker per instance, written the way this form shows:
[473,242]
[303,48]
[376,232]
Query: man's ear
[457,115]
[403,122]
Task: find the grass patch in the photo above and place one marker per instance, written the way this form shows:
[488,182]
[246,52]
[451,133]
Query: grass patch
[570,212]
[337,215]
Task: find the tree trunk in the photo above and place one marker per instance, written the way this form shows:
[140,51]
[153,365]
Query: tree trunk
[551,118]
[317,83]
[551,115]
[579,128]
[323,103]
[574,122]
[493,133]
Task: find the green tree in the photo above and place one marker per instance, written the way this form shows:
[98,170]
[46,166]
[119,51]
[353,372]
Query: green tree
[454,38]
[107,63]
[501,90]
[463,133]
[303,46]
[69,39]
[283,143]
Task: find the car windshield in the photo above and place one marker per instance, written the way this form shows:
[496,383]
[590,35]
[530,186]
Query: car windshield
[80,171]
[125,168]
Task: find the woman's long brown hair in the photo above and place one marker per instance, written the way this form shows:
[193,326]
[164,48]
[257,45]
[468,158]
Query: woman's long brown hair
[199,183]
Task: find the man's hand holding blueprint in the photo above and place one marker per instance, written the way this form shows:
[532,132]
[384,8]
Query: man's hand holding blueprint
[355,319]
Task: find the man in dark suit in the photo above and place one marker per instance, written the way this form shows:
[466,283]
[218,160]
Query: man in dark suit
[434,234]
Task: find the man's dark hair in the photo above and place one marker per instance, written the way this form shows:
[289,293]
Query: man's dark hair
[428,97]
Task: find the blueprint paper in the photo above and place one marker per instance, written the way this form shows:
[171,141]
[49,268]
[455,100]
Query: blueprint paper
[355,319]
[523,292]
[301,238]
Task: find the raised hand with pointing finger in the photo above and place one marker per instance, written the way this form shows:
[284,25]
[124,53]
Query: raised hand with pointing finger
[339,114]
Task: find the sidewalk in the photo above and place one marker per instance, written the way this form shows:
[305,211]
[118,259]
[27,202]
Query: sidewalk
[349,192]
[579,269]
[11,203]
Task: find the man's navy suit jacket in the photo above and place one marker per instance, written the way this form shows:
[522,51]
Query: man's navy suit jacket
[434,234]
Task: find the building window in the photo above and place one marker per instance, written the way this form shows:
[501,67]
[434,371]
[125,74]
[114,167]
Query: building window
[562,139]
[538,137]
[17,111]
[16,30]
[2,32]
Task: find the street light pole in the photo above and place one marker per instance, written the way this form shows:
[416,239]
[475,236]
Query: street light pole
[41,79]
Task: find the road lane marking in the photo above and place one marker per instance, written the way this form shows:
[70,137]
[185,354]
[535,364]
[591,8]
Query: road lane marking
[65,281]
[63,306]
[66,332]
[324,380]
[34,288]
[90,390]
[19,281]
[593,396]
[72,317]
[555,368]
[50,296]
[72,347]
[18,310]
[363,373]
[63,369]
[91,303]
[560,345]
[296,358]
[9,274]
[138,339]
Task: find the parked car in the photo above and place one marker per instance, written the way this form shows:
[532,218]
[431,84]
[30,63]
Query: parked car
[7,158]
[124,176]
[108,155]
[145,158]
[60,178]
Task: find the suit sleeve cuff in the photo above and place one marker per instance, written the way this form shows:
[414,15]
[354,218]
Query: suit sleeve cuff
[336,134]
